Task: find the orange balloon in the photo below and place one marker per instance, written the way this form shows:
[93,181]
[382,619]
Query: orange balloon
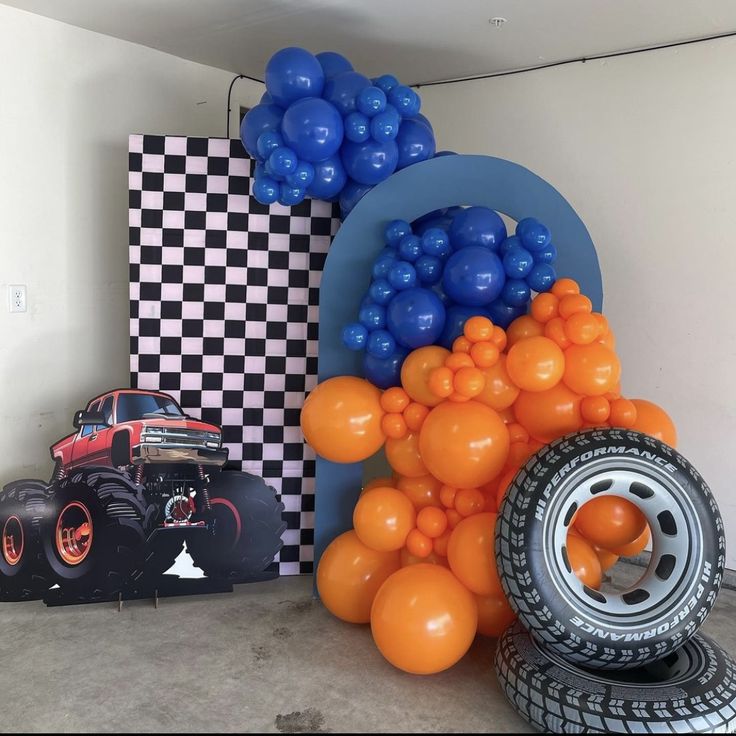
[394,426]
[484,354]
[447,496]
[464,445]
[418,544]
[499,391]
[574,304]
[414,416]
[456,361]
[415,373]
[349,575]
[403,456]
[555,331]
[608,340]
[453,518]
[382,482]
[517,433]
[634,548]
[521,328]
[469,381]
[478,329]
[584,562]
[461,345]
[494,615]
[610,521]
[591,370]
[549,414]
[432,559]
[341,419]
[606,558]
[432,522]
[595,409]
[535,364]
[383,517]
[469,501]
[565,286]
[441,543]
[545,307]
[394,399]
[423,620]
[653,420]
[422,491]
[623,413]
[519,453]
[498,338]
[472,556]
[439,383]
[582,328]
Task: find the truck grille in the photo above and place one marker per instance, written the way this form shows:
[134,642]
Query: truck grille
[192,437]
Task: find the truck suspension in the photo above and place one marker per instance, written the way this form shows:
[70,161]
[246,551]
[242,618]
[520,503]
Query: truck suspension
[205,491]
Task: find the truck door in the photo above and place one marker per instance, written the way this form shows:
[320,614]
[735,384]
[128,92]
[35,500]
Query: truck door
[80,449]
[98,449]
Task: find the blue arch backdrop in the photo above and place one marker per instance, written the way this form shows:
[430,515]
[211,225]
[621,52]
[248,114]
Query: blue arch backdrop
[408,194]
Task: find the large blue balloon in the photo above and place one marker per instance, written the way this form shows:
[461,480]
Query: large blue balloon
[313,128]
[343,90]
[456,317]
[293,73]
[329,179]
[503,314]
[385,372]
[473,276]
[350,195]
[415,141]
[477,226]
[370,162]
[257,120]
[333,64]
[415,317]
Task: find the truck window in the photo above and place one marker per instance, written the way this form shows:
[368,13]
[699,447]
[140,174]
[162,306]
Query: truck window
[106,411]
[137,406]
[87,429]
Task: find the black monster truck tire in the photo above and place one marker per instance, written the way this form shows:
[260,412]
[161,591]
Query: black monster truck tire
[246,524]
[24,573]
[692,690]
[663,609]
[93,534]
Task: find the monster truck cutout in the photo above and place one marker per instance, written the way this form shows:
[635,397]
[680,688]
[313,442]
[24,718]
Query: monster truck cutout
[136,481]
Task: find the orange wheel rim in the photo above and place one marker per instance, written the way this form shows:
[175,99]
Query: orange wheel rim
[74,533]
[13,540]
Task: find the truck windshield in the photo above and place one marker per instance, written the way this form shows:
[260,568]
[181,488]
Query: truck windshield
[136,406]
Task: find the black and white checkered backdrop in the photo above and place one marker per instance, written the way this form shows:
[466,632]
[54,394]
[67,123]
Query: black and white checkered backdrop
[224,309]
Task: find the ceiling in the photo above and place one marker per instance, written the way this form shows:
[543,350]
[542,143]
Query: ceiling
[418,40]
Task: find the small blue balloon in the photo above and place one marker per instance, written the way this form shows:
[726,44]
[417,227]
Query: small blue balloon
[473,276]
[333,64]
[382,264]
[293,73]
[405,100]
[502,314]
[289,196]
[429,269]
[385,372]
[268,142]
[329,179]
[282,161]
[313,128]
[402,275]
[373,317]
[506,245]
[259,170]
[516,292]
[342,91]
[395,231]
[366,301]
[410,248]
[370,162]
[256,121]
[357,127]
[542,277]
[518,262]
[266,189]
[425,120]
[442,222]
[477,226]
[456,317]
[415,317]
[371,101]
[385,125]
[534,235]
[548,254]
[302,176]
[436,242]
[381,291]
[386,82]
[351,194]
[415,142]
[270,172]
[354,336]
[266,99]
[381,344]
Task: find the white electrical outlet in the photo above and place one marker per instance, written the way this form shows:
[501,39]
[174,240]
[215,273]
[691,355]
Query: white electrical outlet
[17,298]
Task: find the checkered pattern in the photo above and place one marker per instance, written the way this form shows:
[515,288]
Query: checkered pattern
[224,309]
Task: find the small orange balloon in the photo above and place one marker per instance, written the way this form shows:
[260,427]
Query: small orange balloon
[453,518]
[394,399]
[418,544]
[431,559]
[608,340]
[498,338]
[383,517]
[523,327]
[535,364]
[349,575]
[432,522]
[549,414]
[423,620]
[469,382]
[623,413]
[555,331]
[573,304]
[440,384]
[447,496]
[603,326]
[472,556]
[441,542]
[591,370]
[595,409]
[469,501]
[478,329]
[653,420]
[494,615]
[414,416]
[610,521]
[456,361]
[422,491]
[484,354]
[499,391]
[605,557]
[584,562]
[636,547]
[403,456]
[582,328]
[517,433]
[545,307]
[519,453]
[461,345]
[563,287]
[382,482]
[415,373]
[394,426]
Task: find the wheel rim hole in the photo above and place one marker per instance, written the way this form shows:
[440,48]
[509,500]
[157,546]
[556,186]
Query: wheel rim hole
[667,523]
[600,486]
[570,514]
[596,595]
[634,597]
[665,566]
[640,490]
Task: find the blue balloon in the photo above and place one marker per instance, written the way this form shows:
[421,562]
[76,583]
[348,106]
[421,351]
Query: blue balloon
[357,127]
[542,277]
[268,142]
[441,223]
[534,235]
[373,317]
[477,226]
[516,293]
[282,161]
[381,344]
[256,121]
[313,128]
[395,231]
[456,317]
[370,162]
[424,119]
[371,101]
[351,194]
[385,125]
[289,196]
[502,314]
[446,153]
[354,336]
[386,82]
[385,372]
[415,317]
[548,254]
[506,245]
[405,100]
[333,63]
[381,291]
[382,264]
[329,179]
[342,91]
[410,247]
[436,242]
[473,276]
[415,141]
[293,73]
[266,189]
[302,176]
[402,275]
[266,99]
[517,262]
[429,270]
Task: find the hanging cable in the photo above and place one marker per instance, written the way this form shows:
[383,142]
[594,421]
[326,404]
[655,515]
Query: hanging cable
[229,98]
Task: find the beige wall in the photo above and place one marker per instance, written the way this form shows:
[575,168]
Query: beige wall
[70,98]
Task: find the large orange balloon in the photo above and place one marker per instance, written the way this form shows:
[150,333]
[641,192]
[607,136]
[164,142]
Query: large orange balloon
[655,421]
[423,620]
[535,363]
[494,615]
[424,490]
[341,419]
[472,556]
[610,521]
[383,517]
[591,370]
[549,414]
[500,391]
[464,445]
[634,548]
[416,369]
[521,328]
[584,562]
[403,456]
[349,576]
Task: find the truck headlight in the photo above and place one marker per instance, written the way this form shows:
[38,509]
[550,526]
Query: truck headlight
[215,445]
[149,438]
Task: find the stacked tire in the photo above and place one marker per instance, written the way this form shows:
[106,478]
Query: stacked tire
[614,661]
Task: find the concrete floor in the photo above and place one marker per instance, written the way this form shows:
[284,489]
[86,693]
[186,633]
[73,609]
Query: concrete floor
[266,658]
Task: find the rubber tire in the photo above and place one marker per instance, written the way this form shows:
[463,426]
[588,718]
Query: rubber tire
[31,577]
[117,508]
[222,555]
[557,697]
[560,621]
